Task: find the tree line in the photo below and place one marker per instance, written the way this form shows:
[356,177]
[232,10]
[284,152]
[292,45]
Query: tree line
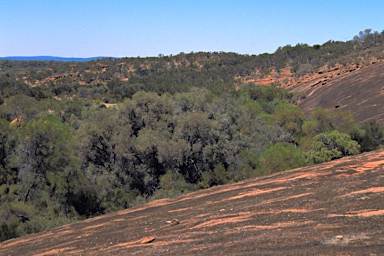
[112,80]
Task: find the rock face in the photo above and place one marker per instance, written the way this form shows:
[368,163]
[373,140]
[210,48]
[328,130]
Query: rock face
[335,208]
[360,92]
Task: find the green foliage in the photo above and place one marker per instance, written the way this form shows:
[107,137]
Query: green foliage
[8,229]
[44,150]
[280,157]
[218,176]
[7,145]
[322,121]
[172,183]
[373,137]
[40,223]
[266,93]
[116,79]
[290,117]
[177,124]
[20,106]
[332,145]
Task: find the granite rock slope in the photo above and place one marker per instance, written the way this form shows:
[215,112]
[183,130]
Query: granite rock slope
[335,208]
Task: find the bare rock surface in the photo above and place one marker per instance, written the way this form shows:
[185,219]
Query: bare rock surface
[335,208]
[360,91]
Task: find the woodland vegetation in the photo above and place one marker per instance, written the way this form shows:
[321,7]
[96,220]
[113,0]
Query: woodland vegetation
[83,139]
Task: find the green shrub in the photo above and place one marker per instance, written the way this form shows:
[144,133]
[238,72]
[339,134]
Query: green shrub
[218,176]
[279,157]
[332,145]
[8,229]
[172,184]
[373,137]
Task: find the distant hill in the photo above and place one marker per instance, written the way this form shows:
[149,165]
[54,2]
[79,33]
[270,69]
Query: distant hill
[349,71]
[48,58]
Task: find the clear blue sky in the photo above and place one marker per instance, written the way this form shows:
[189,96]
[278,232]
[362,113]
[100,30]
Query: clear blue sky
[131,28]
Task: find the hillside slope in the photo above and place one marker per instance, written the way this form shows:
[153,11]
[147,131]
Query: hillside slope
[332,208]
[360,91]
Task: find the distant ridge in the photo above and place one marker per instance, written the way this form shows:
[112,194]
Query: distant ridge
[48,58]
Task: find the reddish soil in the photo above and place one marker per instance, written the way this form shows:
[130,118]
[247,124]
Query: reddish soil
[357,90]
[335,208]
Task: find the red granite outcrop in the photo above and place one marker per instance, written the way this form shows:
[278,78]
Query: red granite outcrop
[335,208]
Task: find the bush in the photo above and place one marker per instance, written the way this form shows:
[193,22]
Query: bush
[8,229]
[332,145]
[373,138]
[218,176]
[172,183]
[279,157]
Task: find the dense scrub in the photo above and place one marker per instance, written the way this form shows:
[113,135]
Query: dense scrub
[67,153]
[112,80]
[70,160]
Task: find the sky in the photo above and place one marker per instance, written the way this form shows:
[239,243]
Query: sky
[132,28]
